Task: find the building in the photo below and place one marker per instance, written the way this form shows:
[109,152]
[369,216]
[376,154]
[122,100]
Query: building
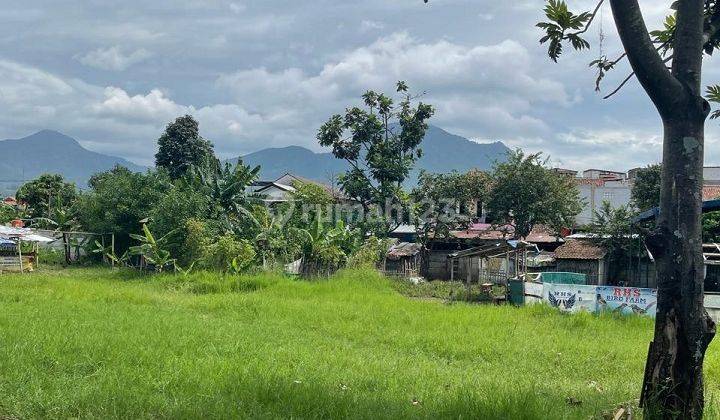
[281,189]
[585,257]
[593,191]
[598,185]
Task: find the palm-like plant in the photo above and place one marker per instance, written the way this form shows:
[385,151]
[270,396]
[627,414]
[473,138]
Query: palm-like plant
[326,248]
[151,249]
[226,188]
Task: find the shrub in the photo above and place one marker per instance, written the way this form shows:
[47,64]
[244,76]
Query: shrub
[196,242]
[230,255]
[370,253]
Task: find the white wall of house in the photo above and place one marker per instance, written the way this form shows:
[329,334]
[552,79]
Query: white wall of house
[273,193]
[617,193]
[711,173]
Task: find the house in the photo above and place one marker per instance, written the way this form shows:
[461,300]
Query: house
[281,189]
[10,201]
[585,257]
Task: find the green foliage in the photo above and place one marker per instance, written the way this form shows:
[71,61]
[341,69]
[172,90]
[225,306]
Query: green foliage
[8,213]
[563,25]
[196,242]
[230,255]
[711,227]
[181,147]
[646,188]
[526,193]
[613,228]
[225,190]
[152,250]
[713,95]
[175,209]
[440,198]
[47,195]
[326,247]
[370,253]
[381,143]
[118,200]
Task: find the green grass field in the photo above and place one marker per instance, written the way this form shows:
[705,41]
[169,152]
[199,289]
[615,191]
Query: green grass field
[91,343]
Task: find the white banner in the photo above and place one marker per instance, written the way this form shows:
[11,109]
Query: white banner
[627,300]
[570,297]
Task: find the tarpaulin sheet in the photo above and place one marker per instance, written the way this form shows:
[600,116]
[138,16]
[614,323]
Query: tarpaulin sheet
[563,278]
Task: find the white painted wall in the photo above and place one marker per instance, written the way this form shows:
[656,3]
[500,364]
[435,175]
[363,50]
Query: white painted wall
[616,192]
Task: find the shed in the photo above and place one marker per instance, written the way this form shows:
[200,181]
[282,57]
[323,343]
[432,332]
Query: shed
[585,257]
[403,259]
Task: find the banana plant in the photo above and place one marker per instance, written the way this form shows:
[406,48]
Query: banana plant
[151,249]
[109,253]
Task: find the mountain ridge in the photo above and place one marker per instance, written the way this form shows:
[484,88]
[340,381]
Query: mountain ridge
[442,152]
[49,151]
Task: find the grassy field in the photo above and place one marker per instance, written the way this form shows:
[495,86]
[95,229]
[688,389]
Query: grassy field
[91,343]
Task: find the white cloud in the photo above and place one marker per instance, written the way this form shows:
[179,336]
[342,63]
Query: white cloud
[113,58]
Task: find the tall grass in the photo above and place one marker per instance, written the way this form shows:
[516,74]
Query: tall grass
[95,343]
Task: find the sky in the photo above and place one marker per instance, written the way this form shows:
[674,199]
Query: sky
[268,73]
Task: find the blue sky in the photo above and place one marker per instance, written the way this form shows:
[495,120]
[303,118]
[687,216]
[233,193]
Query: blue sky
[267,73]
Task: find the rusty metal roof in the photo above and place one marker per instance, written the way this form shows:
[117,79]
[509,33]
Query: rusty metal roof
[580,249]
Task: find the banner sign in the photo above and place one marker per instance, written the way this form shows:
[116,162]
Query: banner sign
[627,300]
[570,297]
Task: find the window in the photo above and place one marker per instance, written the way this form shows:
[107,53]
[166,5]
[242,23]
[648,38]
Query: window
[608,195]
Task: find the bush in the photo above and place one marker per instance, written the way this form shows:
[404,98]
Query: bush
[196,242]
[370,253]
[230,255]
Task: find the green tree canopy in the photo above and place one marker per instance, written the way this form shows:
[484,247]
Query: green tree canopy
[118,200]
[525,193]
[381,143]
[646,188]
[181,146]
[440,198]
[47,195]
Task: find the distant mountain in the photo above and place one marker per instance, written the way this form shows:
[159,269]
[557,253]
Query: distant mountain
[442,152]
[51,152]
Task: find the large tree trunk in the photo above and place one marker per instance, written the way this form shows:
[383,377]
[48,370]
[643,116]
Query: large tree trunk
[683,329]
[673,386]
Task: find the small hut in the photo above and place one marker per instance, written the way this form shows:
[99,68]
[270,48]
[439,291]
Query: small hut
[403,259]
[585,257]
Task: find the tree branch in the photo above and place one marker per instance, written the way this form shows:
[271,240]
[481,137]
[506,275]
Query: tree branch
[627,79]
[620,86]
[662,88]
[592,17]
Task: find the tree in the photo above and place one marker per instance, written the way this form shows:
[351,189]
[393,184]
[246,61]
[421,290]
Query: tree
[683,329]
[118,200]
[225,190]
[47,195]
[646,188]
[381,144]
[616,233]
[526,193]
[181,146]
[439,201]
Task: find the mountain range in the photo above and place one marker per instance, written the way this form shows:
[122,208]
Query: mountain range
[49,151]
[442,152]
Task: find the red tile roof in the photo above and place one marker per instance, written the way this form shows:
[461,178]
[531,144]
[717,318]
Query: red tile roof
[710,192]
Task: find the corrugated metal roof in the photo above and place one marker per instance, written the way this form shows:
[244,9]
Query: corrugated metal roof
[580,249]
[403,249]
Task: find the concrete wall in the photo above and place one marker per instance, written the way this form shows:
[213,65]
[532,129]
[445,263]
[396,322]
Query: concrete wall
[616,192]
